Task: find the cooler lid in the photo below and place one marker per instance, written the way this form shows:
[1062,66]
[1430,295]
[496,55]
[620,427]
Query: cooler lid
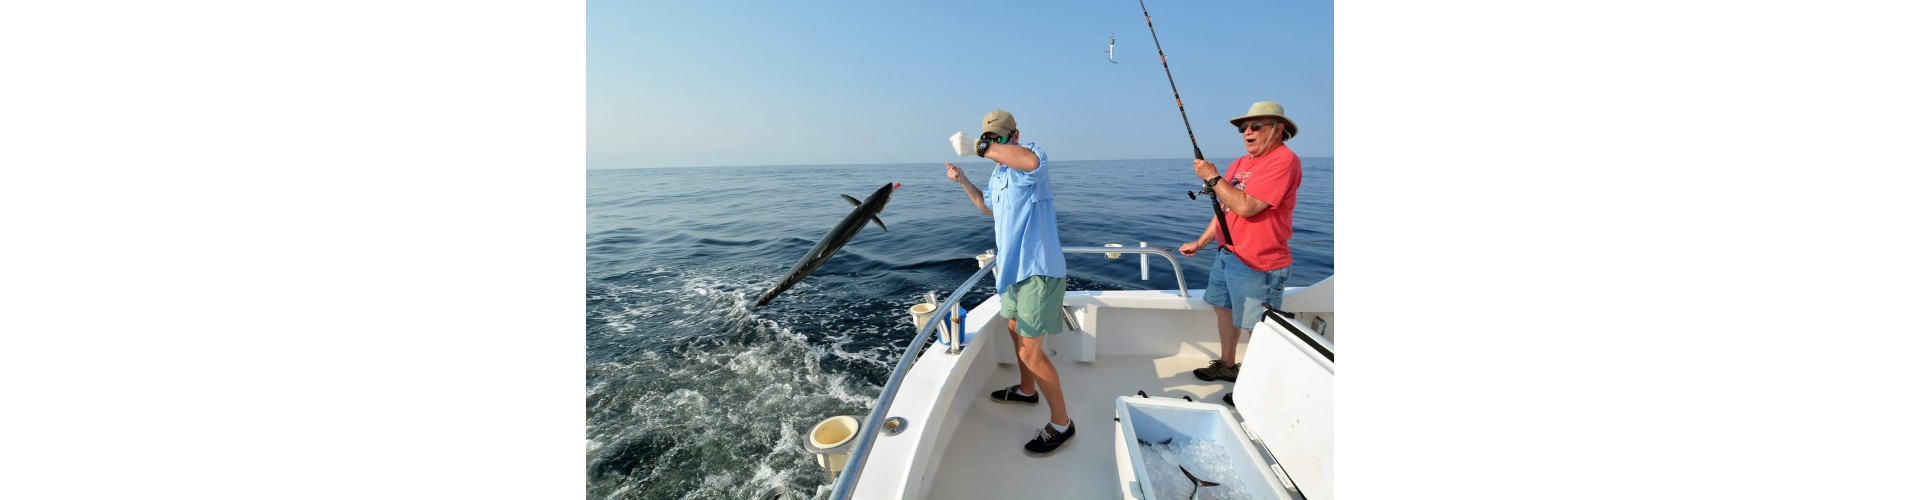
[1285,394]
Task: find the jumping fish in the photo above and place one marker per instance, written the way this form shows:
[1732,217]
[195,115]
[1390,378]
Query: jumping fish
[863,211]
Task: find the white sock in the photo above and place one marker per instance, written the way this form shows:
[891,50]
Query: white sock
[1022,392]
[1058,427]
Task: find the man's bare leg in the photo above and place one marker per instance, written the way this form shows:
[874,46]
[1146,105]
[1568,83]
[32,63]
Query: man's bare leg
[1229,336]
[1033,353]
[1026,371]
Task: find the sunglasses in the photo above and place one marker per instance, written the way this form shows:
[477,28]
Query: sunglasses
[1256,126]
[996,138]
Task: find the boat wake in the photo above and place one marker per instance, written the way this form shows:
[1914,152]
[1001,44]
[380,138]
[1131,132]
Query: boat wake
[688,391]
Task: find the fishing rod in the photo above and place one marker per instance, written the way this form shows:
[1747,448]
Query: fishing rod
[1204,189]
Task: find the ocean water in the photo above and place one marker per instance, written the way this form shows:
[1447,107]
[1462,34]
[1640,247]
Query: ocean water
[690,394]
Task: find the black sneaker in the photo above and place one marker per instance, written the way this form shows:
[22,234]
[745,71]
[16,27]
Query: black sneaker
[1008,396]
[1048,441]
[1218,371]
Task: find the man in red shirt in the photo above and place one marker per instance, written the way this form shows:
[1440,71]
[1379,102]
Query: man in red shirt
[1258,193]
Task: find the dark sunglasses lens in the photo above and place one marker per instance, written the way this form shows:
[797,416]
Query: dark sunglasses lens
[1001,140]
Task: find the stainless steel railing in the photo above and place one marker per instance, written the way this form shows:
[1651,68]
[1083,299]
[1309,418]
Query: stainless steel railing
[1177,275]
[871,427]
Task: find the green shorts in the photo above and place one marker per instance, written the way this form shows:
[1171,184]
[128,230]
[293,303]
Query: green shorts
[1034,305]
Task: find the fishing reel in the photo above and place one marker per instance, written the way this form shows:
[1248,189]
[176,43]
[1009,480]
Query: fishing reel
[1208,186]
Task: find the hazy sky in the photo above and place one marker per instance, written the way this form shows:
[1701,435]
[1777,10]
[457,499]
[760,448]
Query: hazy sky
[784,83]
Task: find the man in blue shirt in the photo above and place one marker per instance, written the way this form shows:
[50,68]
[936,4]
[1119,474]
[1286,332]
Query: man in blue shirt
[1031,277]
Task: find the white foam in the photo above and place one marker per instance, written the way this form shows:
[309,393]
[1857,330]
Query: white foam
[765,477]
[746,386]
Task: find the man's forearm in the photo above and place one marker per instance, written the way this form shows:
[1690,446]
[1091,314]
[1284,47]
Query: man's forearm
[973,193]
[1013,156]
[1241,203]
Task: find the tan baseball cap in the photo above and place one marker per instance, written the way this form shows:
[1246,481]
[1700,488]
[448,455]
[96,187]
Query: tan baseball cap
[999,122]
[1269,109]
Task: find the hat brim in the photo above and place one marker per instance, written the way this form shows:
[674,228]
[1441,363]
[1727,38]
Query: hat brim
[1292,128]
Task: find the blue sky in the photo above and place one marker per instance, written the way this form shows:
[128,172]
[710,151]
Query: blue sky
[674,84]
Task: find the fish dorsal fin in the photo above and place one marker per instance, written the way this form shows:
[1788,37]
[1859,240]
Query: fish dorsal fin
[876,218]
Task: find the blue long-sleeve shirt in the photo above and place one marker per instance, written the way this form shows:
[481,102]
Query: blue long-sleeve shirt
[1025,233]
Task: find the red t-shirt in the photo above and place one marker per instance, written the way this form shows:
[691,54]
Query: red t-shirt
[1261,241]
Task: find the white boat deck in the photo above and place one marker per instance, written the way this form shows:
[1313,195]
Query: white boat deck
[986,460]
[957,443]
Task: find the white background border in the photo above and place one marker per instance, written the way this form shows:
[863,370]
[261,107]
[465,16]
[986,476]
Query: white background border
[1661,249]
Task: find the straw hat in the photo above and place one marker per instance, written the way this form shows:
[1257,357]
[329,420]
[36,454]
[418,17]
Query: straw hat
[1269,108]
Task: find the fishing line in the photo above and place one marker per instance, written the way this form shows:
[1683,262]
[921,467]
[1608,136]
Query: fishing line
[1218,215]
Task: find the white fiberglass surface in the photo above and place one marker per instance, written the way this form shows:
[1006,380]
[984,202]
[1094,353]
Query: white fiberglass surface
[985,459]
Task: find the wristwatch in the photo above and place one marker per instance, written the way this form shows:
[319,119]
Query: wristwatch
[1214,180]
[980,147]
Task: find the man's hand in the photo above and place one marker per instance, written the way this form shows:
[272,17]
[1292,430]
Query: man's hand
[1204,169]
[954,172]
[1192,247]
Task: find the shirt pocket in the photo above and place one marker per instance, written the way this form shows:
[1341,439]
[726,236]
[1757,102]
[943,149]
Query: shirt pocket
[1001,191]
[1011,195]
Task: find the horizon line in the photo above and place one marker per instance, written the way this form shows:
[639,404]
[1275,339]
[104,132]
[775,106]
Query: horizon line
[877,163]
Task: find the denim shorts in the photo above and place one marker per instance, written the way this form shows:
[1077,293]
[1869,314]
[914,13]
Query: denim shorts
[1233,285]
